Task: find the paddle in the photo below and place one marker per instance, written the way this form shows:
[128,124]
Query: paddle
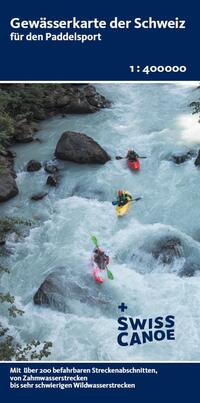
[94,240]
[118,157]
[109,274]
[115,202]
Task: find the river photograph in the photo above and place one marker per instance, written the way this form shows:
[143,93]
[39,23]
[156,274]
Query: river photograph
[99,205]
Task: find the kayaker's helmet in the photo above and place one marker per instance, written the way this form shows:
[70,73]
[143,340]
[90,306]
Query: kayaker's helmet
[98,251]
[120,192]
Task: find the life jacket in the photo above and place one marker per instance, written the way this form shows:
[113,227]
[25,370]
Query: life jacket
[132,156]
[101,259]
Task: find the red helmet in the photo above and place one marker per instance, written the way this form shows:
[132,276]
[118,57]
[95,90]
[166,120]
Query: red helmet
[120,192]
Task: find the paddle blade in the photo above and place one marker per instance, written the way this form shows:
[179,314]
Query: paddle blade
[94,240]
[109,274]
[114,203]
[138,198]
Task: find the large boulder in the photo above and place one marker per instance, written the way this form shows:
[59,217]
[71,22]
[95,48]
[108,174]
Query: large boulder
[167,250]
[8,186]
[78,147]
[58,291]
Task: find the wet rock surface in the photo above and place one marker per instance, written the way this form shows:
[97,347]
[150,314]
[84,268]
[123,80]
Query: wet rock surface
[80,148]
[57,291]
[50,167]
[180,158]
[197,160]
[52,180]
[39,196]
[167,250]
[189,269]
[33,165]
[8,185]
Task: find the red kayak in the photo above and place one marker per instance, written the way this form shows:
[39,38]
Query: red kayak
[134,165]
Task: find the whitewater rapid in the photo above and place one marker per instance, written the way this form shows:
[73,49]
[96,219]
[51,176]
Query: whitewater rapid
[156,121]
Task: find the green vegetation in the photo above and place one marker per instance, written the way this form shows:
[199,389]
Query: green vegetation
[6,128]
[3,168]
[11,224]
[22,102]
[10,349]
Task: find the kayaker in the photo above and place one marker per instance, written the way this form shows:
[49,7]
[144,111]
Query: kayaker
[132,156]
[123,198]
[100,258]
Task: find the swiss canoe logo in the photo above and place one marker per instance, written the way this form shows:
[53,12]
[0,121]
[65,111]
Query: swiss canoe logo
[133,331]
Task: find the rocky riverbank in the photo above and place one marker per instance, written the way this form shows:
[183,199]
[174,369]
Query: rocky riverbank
[24,106]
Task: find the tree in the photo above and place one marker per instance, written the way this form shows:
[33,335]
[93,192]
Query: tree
[10,349]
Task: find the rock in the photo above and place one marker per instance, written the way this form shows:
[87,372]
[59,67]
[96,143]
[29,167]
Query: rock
[52,180]
[8,186]
[94,98]
[197,160]
[189,269]
[33,165]
[168,249]
[23,133]
[57,291]
[63,100]
[50,167]
[34,126]
[2,239]
[39,196]
[79,106]
[180,158]
[10,155]
[7,161]
[5,250]
[32,103]
[81,99]
[78,147]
